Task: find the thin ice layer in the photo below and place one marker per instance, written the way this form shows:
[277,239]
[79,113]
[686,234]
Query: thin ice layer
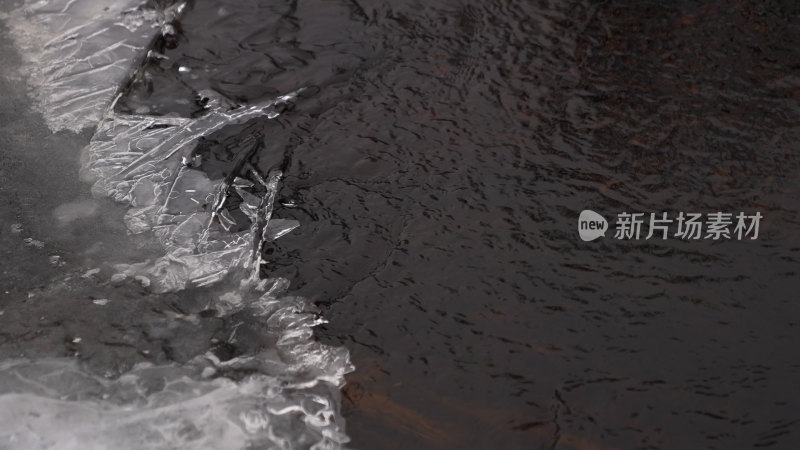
[146,162]
[290,400]
[77,54]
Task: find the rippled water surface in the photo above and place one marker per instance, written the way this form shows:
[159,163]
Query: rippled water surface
[437,164]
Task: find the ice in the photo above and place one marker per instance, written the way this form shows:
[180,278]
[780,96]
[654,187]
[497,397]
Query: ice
[91,272]
[80,209]
[55,404]
[286,396]
[139,160]
[78,54]
[31,242]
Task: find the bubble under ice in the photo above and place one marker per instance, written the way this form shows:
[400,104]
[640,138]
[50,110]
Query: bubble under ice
[77,55]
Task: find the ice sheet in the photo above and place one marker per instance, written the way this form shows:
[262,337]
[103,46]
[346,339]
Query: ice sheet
[78,54]
[289,400]
[283,396]
[147,162]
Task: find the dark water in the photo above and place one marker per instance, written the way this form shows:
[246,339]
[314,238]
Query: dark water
[438,166]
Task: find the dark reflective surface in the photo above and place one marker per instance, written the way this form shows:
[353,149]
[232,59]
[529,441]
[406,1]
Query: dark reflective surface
[438,167]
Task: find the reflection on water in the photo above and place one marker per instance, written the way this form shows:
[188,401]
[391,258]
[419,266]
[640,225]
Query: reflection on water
[438,170]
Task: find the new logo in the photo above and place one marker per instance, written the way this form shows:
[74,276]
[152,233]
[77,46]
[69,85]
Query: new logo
[591,225]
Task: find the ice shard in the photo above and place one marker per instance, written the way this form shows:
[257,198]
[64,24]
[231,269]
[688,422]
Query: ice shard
[145,161]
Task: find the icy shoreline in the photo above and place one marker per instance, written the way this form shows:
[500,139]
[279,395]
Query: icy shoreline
[77,57]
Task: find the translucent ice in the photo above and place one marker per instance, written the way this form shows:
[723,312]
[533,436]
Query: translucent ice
[286,396]
[140,160]
[54,404]
[78,54]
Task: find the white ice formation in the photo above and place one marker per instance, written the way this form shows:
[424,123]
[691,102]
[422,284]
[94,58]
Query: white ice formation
[77,56]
